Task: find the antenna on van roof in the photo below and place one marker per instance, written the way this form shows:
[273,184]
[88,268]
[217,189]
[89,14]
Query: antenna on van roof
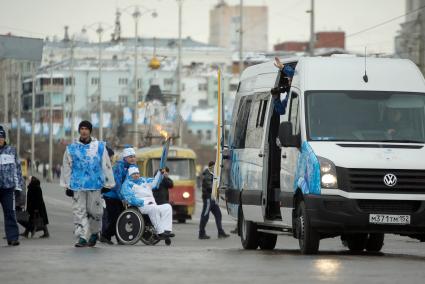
[365,77]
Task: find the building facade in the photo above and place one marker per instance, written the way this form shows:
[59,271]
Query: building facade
[225,27]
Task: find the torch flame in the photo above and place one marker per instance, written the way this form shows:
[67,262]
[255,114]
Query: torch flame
[161,131]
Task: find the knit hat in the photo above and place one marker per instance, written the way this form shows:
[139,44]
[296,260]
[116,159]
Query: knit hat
[133,169]
[85,123]
[210,164]
[288,70]
[2,132]
[128,152]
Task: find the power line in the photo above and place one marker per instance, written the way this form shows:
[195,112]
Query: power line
[385,22]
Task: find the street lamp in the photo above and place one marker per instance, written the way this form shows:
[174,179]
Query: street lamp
[136,15]
[179,72]
[50,177]
[99,32]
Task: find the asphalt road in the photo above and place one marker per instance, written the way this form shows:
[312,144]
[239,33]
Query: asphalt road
[190,260]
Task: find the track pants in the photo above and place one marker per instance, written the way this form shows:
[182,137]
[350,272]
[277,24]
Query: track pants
[7,200]
[210,206]
[87,210]
[113,210]
[161,216]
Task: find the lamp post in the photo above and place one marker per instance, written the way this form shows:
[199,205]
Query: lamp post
[33,119]
[50,177]
[241,38]
[311,43]
[99,32]
[72,91]
[179,72]
[136,16]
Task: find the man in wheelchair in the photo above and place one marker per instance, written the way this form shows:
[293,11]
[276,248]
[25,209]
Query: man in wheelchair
[137,191]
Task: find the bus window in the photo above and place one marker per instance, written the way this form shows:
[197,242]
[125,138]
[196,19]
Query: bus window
[180,169]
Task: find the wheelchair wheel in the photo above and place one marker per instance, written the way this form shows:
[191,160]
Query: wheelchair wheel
[130,226]
[149,237]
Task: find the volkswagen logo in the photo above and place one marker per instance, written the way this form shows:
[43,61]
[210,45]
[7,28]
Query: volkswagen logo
[390,180]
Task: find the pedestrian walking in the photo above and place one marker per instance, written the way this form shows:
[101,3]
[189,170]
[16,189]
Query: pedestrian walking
[10,180]
[209,205]
[36,209]
[114,205]
[86,174]
[162,195]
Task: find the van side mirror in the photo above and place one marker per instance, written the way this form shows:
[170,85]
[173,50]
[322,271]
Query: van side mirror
[287,139]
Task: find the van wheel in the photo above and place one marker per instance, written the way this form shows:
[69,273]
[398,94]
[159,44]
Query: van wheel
[248,232]
[375,242]
[356,242]
[267,241]
[308,238]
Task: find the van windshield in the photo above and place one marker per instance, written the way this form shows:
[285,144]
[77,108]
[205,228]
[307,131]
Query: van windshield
[365,116]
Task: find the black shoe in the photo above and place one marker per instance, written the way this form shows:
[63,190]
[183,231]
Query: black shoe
[163,236]
[223,235]
[13,243]
[105,240]
[81,243]
[204,237]
[92,241]
[170,234]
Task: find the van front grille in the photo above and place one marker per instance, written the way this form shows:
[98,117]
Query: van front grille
[372,180]
[389,206]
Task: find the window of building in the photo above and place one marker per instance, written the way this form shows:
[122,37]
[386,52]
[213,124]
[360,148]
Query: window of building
[95,81]
[199,134]
[208,135]
[139,84]
[202,87]
[69,81]
[233,87]
[168,82]
[122,81]
[123,100]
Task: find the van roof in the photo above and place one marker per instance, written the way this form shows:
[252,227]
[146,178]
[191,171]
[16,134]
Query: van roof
[346,73]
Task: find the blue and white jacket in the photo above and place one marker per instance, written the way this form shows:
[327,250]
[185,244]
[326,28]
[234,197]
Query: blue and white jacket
[138,192]
[10,169]
[86,166]
[120,170]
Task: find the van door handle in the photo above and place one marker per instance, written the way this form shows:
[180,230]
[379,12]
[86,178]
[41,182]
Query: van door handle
[284,156]
[260,155]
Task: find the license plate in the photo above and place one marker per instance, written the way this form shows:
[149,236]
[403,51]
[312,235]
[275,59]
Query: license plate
[389,219]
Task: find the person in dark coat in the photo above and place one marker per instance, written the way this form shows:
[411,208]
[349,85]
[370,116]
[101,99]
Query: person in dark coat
[209,205]
[35,204]
[161,195]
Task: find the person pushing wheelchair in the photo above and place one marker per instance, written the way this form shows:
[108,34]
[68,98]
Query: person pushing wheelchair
[137,191]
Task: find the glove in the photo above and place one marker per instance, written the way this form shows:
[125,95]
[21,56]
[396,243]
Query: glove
[105,190]
[69,192]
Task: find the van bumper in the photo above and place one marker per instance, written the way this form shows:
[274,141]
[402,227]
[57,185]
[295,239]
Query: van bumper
[336,214]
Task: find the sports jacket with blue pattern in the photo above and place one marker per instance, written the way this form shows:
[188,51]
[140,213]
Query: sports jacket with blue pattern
[10,169]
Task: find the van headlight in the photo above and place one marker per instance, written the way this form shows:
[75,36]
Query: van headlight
[186,195]
[328,177]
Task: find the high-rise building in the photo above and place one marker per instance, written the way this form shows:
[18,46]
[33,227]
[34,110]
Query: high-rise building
[410,43]
[225,27]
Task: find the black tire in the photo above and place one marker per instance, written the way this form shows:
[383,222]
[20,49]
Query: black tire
[181,221]
[248,232]
[356,242]
[308,238]
[267,241]
[130,226]
[375,242]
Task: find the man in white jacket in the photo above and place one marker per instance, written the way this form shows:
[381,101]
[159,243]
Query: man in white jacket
[137,191]
[86,173]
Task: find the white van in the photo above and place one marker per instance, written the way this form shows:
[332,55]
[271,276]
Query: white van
[347,159]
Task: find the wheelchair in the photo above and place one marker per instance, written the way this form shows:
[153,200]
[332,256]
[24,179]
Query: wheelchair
[133,226]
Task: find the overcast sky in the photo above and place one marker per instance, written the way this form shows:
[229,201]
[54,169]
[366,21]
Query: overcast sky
[287,18]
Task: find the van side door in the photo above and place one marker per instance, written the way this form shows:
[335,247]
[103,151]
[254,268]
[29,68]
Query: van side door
[290,157]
